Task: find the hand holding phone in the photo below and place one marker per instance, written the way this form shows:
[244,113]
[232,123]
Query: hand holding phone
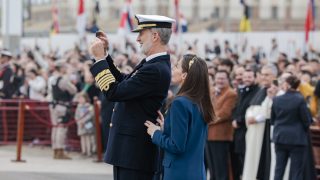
[103,37]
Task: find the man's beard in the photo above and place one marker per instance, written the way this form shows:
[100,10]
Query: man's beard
[145,48]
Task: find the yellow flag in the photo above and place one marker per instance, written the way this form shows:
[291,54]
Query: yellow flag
[245,25]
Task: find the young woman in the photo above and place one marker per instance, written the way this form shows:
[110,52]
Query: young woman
[184,132]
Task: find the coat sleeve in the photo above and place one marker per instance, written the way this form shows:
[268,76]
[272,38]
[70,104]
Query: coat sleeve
[114,70]
[176,142]
[273,113]
[146,80]
[305,115]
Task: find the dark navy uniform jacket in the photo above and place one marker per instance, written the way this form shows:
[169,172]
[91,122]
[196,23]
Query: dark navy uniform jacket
[138,96]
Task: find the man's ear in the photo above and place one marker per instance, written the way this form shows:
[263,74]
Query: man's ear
[155,36]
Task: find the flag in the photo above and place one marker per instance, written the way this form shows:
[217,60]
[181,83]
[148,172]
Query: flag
[55,18]
[309,23]
[175,27]
[97,7]
[96,11]
[81,19]
[126,24]
[245,24]
[181,24]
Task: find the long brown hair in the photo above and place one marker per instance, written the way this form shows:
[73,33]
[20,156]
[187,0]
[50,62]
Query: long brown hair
[196,85]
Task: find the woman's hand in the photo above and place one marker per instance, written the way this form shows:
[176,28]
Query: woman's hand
[151,128]
[160,120]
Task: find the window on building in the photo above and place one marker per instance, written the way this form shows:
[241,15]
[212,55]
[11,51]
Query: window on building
[215,13]
[274,11]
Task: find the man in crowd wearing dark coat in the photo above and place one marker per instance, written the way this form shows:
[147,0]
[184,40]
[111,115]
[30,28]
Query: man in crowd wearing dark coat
[245,95]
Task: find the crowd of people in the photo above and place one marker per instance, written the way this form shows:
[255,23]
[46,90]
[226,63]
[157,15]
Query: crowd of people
[250,97]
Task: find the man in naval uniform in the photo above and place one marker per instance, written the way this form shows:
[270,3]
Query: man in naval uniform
[138,96]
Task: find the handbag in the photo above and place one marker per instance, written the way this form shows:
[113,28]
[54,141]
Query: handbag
[89,126]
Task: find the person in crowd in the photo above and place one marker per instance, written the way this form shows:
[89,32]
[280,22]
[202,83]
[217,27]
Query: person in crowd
[84,117]
[257,156]
[217,49]
[282,82]
[274,52]
[183,133]
[220,132]
[245,96]
[291,119]
[226,64]
[138,96]
[227,51]
[6,74]
[237,82]
[62,94]
[18,79]
[90,87]
[307,91]
[35,86]
[283,86]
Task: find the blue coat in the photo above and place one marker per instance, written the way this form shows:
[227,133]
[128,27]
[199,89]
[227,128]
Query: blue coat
[138,96]
[183,140]
[291,119]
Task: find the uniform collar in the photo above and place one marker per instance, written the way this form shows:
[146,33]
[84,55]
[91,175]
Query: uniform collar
[155,55]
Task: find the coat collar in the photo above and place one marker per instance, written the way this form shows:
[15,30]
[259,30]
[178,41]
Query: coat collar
[155,55]
[165,57]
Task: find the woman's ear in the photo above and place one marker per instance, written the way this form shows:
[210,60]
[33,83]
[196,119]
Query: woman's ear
[184,75]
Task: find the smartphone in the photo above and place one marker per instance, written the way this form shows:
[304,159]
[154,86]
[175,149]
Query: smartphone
[99,33]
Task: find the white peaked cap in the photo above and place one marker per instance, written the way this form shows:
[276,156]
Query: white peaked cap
[152,21]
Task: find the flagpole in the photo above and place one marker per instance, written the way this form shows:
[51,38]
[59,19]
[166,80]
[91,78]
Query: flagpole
[177,27]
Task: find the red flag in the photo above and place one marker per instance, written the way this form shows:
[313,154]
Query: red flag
[126,23]
[81,7]
[81,19]
[309,24]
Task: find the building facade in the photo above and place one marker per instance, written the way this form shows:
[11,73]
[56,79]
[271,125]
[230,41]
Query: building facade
[211,15]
